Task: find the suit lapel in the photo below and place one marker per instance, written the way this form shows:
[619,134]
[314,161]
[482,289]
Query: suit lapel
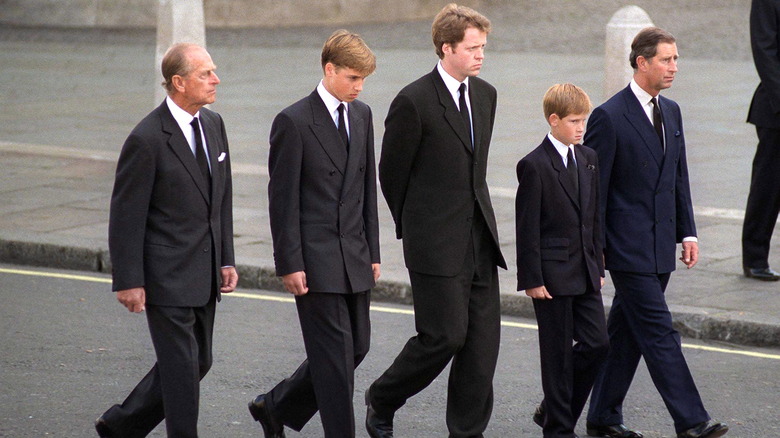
[326,132]
[214,147]
[181,148]
[560,169]
[357,142]
[637,117]
[451,113]
[480,115]
[586,173]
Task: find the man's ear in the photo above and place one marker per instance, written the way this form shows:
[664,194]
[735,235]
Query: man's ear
[553,120]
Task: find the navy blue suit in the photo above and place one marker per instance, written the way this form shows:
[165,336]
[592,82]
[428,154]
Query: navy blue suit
[646,210]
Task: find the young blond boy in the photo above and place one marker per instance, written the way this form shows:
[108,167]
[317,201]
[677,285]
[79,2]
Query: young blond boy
[559,261]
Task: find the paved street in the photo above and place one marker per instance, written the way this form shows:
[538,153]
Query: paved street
[61,370]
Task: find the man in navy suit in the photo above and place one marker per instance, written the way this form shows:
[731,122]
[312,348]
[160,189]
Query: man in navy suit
[646,210]
[323,211]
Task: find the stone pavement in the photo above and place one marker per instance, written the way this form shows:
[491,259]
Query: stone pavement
[68,104]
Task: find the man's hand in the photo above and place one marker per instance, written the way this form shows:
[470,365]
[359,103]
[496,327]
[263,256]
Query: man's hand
[377,271]
[134,299]
[690,254]
[538,293]
[229,279]
[295,283]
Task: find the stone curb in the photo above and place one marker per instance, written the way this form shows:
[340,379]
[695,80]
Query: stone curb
[707,324]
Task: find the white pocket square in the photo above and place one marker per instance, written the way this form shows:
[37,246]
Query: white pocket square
[221,157]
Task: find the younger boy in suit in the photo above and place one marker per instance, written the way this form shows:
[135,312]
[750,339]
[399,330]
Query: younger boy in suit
[559,262]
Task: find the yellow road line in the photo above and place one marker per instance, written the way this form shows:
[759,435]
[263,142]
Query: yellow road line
[384,309]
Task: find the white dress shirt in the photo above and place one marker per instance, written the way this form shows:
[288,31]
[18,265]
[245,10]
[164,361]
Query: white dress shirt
[333,106]
[563,150]
[453,86]
[183,118]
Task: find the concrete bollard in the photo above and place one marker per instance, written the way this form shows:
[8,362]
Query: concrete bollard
[178,21]
[621,30]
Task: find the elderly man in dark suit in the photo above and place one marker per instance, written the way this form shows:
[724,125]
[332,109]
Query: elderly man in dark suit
[171,243]
[323,210]
[432,171]
[763,202]
[646,210]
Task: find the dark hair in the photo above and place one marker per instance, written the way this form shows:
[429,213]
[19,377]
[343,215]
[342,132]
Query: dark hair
[347,49]
[646,42]
[450,24]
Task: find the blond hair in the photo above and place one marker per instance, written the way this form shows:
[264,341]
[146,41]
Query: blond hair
[347,49]
[565,99]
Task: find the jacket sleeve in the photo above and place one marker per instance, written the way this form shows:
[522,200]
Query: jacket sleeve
[284,201]
[764,43]
[403,133]
[135,174]
[370,215]
[601,137]
[228,256]
[528,207]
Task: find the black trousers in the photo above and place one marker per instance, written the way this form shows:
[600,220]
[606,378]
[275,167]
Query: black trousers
[336,333]
[182,338]
[457,319]
[763,202]
[573,344]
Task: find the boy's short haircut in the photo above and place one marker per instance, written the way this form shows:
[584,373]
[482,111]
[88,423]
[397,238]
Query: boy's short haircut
[565,99]
[347,49]
[450,24]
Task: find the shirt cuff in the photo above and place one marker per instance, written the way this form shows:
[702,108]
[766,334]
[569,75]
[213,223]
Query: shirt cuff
[691,239]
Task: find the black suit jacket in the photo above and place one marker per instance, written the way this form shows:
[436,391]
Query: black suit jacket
[165,232]
[322,201]
[430,176]
[765,42]
[558,233]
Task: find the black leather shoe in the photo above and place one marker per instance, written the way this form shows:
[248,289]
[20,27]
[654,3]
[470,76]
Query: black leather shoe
[377,426]
[259,411]
[763,274]
[708,429]
[102,428]
[611,431]
[539,416]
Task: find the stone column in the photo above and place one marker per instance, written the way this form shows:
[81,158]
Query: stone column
[621,30]
[178,21]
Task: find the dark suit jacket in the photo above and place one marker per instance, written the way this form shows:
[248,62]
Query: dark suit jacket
[430,176]
[558,235]
[163,225]
[646,199]
[765,41]
[322,202]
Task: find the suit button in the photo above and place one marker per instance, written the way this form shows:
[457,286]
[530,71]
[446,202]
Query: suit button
[205,250]
[343,235]
[341,203]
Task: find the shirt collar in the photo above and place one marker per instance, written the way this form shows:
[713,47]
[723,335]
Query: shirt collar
[183,118]
[451,83]
[643,96]
[330,101]
[562,149]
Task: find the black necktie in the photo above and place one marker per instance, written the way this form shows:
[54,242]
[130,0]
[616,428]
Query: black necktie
[200,153]
[343,127]
[657,124]
[571,169]
[464,111]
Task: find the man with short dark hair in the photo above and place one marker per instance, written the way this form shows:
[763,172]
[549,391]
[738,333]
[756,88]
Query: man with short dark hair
[646,210]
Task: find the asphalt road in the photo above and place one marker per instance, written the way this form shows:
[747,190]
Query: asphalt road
[68,351]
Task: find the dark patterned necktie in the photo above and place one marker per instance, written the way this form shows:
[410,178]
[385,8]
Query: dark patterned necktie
[464,111]
[343,127]
[571,169]
[200,153]
[657,121]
